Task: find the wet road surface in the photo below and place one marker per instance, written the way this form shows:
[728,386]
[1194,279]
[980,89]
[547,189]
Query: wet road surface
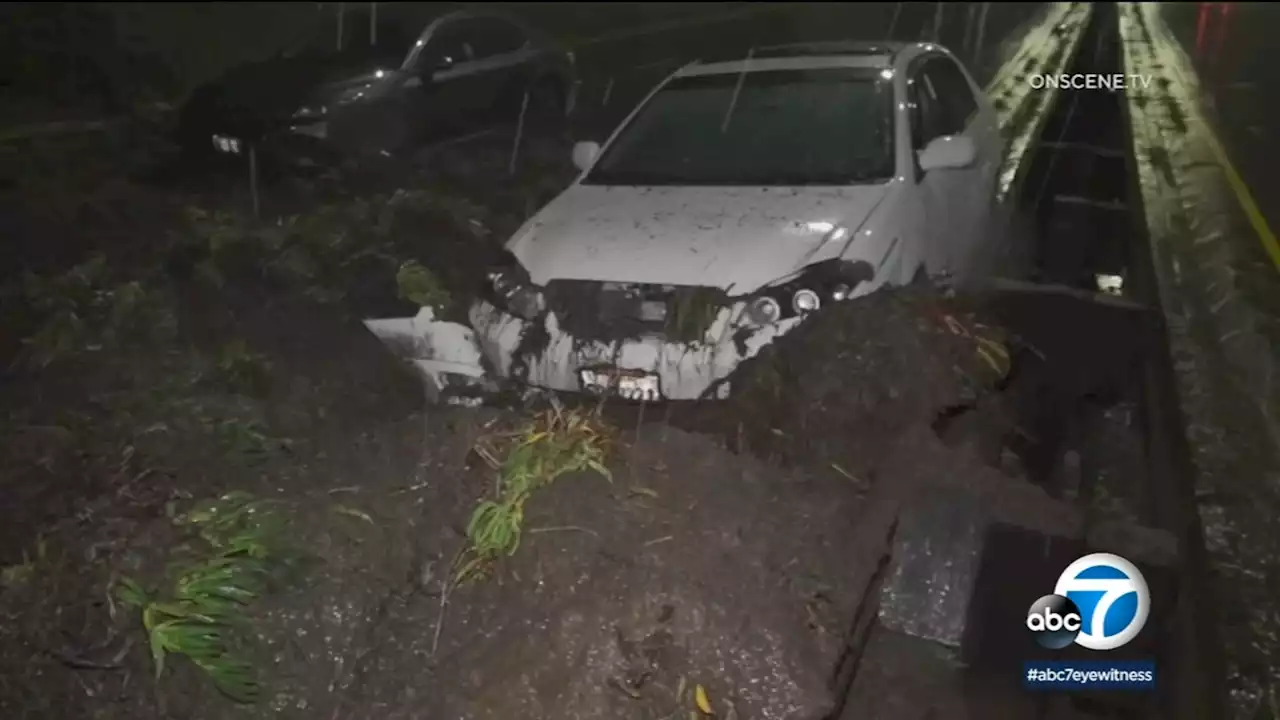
[1208,203]
[1231,47]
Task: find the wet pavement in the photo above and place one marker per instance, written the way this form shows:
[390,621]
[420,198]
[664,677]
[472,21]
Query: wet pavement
[1231,45]
[1229,66]
[1222,66]
[1216,278]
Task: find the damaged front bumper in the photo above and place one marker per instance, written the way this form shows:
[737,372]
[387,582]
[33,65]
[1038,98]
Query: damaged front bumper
[445,354]
[461,364]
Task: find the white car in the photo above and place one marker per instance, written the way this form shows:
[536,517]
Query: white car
[736,199]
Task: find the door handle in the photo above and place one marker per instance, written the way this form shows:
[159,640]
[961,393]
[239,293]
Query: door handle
[413,82]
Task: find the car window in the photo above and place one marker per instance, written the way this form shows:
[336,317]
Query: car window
[495,36]
[954,91]
[451,43]
[474,39]
[929,118]
[778,127]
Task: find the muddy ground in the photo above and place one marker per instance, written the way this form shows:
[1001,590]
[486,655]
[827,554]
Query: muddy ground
[190,352]
[164,349]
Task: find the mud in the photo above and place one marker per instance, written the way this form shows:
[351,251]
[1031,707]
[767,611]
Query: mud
[591,312]
[694,566]
[1077,354]
[842,385]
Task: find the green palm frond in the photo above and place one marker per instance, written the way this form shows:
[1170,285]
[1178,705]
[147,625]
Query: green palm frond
[239,546]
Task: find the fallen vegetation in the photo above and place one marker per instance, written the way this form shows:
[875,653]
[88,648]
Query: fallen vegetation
[150,378]
[239,550]
[556,442]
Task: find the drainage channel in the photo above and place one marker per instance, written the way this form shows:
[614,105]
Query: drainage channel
[1104,442]
[1129,455]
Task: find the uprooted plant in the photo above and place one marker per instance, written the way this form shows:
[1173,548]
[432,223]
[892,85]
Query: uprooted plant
[241,369]
[237,550]
[85,309]
[556,442]
[316,252]
[308,252]
[420,286]
[990,344]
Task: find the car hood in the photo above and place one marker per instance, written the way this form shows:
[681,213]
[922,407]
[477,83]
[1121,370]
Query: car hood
[735,239]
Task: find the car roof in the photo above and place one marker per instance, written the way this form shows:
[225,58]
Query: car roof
[479,13]
[808,55]
[885,48]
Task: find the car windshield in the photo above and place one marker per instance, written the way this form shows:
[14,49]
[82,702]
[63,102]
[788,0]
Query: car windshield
[774,127]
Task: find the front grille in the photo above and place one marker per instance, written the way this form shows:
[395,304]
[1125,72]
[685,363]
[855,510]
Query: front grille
[594,310]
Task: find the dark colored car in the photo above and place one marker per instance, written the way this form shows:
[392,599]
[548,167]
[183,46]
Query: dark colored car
[392,87]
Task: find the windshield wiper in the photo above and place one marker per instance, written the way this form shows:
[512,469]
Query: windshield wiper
[606,178]
[640,179]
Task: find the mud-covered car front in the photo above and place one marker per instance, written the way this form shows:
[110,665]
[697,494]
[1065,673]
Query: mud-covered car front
[642,341]
[678,254]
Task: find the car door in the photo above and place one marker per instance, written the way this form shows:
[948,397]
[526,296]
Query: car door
[936,190]
[441,97]
[470,66]
[974,201]
[503,52]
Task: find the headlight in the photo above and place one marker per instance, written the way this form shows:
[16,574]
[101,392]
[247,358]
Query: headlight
[816,285]
[311,112]
[511,290]
[366,91]
[764,310]
[805,300]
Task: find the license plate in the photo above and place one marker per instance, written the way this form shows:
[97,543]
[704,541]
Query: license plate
[223,143]
[626,384]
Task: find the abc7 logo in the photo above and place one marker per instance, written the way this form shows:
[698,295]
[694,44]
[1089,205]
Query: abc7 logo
[1054,621]
[1116,600]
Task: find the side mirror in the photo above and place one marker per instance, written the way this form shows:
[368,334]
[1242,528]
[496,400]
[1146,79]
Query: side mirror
[584,154]
[431,66]
[949,152]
